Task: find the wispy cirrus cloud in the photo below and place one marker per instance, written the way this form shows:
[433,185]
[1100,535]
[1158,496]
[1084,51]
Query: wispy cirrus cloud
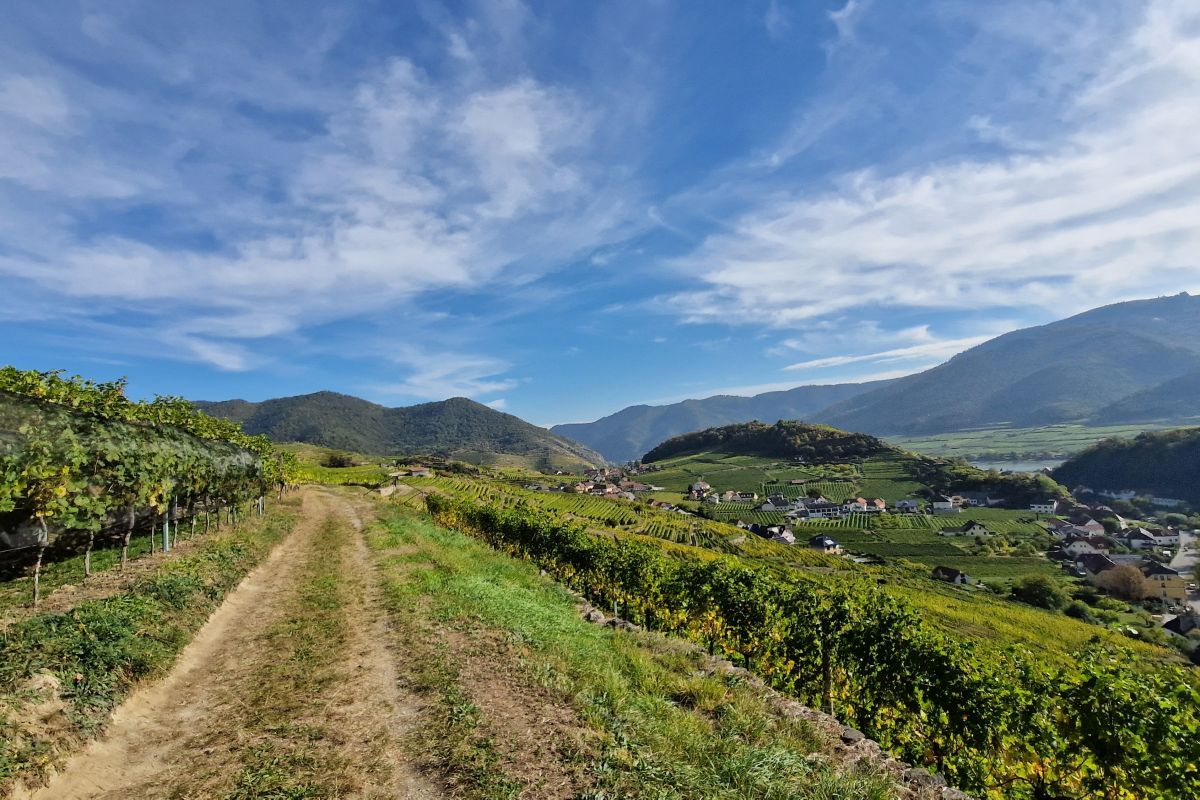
[435,375]
[1103,212]
[351,196]
[928,354]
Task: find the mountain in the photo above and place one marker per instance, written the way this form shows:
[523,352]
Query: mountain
[456,428]
[1172,401]
[1129,362]
[1066,371]
[627,434]
[784,439]
[1159,463]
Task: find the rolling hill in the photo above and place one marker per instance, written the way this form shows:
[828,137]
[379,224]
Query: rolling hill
[1137,361]
[1160,463]
[784,439]
[627,434]
[870,464]
[455,428]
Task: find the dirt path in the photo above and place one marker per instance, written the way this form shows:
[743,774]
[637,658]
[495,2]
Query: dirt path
[214,727]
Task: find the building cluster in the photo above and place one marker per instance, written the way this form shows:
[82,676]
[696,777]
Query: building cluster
[781,534]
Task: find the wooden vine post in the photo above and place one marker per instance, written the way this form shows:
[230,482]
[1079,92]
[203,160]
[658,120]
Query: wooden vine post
[128,535]
[43,543]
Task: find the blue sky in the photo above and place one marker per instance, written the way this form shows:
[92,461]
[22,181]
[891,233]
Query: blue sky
[561,209]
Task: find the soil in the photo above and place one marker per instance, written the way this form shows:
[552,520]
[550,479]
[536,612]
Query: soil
[182,736]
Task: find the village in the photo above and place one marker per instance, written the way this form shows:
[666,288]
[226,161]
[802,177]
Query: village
[1133,560]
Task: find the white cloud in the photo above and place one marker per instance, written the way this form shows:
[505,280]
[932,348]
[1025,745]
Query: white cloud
[37,101]
[930,353]
[776,20]
[437,375]
[405,184]
[1103,213]
[499,404]
[845,20]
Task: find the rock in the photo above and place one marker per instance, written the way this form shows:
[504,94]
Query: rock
[921,777]
[950,793]
[594,615]
[851,736]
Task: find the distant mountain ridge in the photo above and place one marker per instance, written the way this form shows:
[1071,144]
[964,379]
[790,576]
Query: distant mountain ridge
[1065,371]
[1131,362]
[629,433]
[456,428]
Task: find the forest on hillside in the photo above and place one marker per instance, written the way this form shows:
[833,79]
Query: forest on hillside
[1162,463]
[784,439]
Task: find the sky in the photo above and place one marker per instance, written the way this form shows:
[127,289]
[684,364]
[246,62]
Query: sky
[561,209]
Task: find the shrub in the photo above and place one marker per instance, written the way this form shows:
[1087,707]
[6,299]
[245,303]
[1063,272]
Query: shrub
[1040,591]
[1079,610]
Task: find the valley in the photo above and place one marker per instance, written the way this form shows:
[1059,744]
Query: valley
[830,590]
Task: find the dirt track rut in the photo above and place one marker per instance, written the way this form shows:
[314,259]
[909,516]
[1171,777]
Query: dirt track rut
[185,736]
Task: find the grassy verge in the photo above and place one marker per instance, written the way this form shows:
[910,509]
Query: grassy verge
[56,573]
[621,714]
[62,674]
[291,752]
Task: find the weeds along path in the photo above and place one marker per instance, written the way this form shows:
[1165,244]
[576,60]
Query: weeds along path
[287,691]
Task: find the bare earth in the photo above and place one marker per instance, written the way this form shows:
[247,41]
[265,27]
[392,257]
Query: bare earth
[185,736]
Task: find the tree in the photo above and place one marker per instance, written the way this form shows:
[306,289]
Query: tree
[1040,591]
[1111,524]
[337,460]
[1125,581]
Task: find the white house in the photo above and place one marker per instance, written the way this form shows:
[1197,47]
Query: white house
[951,575]
[969,528]
[945,505]
[1044,507]
[1165,537]
[784,537]
[908,506]
[1089,545]
[777,503]
[1140,539]
[825,544]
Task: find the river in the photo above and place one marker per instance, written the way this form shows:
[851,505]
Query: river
[1018,466]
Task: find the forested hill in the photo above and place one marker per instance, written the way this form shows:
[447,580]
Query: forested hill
[1130,362]
[632,431]
[1162,463]
[457,427]
[784,439]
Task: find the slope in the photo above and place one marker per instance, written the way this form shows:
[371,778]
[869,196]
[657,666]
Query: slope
[1064,371]
[457,427]
[1161,463]
[1173,400]
[628,433]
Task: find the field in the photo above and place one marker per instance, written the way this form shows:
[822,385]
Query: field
[908,554]
[1017,444]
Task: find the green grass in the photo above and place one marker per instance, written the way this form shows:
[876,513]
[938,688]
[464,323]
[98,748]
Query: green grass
[291,759]
[99,649]
[1017,444]
[57,572]
[661,727]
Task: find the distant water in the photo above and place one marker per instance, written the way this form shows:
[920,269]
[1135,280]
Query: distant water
[1017,466]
